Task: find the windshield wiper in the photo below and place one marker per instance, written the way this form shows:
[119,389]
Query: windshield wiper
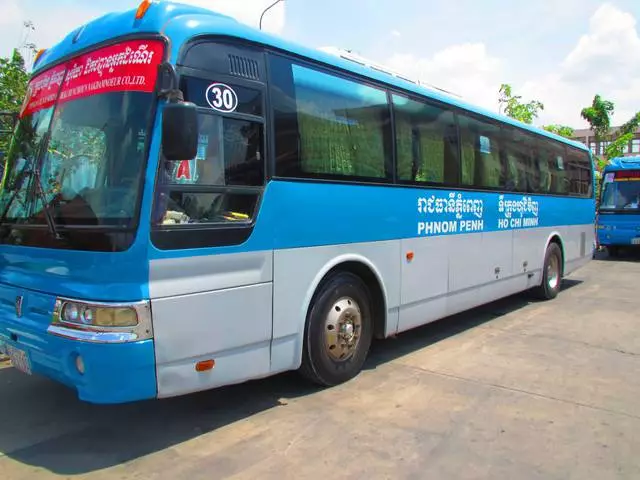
[38,186]
[51,223]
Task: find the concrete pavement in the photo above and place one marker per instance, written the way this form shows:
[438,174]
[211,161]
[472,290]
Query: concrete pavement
[515,389]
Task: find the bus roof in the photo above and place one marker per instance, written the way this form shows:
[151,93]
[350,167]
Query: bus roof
[181,22]
[623,163]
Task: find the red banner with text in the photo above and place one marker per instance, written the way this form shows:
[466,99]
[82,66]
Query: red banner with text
[627,175]
[127,66]
[42,90]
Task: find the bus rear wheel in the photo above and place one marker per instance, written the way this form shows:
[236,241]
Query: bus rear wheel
[552,272]
[338,330]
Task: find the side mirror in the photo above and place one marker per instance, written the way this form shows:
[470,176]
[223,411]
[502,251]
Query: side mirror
[180,131]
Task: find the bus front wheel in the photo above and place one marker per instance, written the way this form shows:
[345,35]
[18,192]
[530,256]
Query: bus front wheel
[552,272]
[338,330]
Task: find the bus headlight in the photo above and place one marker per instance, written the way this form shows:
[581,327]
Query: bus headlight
[101,322]
[80,314]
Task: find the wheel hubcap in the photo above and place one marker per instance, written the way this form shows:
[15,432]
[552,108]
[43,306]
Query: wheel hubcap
[343,326]
[553,272]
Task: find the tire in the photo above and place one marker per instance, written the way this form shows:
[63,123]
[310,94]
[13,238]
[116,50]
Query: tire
[552,273]
[613,251]
[341,304]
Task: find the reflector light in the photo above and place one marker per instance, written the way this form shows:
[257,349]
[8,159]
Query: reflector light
[80,365]
[205,365]
[38,55]
[142,8]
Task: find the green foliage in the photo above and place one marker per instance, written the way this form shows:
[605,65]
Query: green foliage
[623,136]
[7,123]
[13,82]
[561,130]
[599,116]
[631,125]
[13,86]
[616,147]
[514,108]
[601,162]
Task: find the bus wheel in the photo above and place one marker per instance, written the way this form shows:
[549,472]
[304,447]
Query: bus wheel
[613,251]
[551,274]
[338,330]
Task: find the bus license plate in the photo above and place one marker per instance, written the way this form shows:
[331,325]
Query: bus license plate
[635,241]
[18,359]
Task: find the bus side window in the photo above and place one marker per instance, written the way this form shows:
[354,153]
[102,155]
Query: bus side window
[480,145]
[557,167]
[579,172]
[223,183]
[541,158]
[521,172]
[533,173]
[468,156]
[229,161]
[427,142]
[327,126]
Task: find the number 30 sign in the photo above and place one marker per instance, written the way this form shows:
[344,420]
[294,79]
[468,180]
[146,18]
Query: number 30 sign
[221,97]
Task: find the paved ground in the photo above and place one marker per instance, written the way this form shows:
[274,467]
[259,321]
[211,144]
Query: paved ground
[512,390]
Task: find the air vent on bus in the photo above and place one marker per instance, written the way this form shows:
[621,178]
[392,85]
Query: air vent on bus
[244,67]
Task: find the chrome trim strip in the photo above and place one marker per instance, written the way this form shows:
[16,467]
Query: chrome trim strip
[93,336]
[91,303]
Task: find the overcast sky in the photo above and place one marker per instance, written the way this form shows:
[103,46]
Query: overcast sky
[560,52]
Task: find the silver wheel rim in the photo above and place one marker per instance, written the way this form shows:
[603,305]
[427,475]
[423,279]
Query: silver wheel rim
[343,329]
[553,272]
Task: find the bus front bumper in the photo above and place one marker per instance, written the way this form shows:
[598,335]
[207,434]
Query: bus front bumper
[616,235]
[102,373]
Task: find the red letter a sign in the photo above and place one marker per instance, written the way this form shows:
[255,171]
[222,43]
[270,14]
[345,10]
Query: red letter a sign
[184,170]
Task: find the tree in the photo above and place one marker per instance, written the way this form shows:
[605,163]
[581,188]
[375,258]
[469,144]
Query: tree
[13,82]
[527,112]
[622,137]
[514,108]
[599,117]
[561,130]
[13,87]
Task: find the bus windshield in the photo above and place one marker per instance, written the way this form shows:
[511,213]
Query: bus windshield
[83,133]
[621,191]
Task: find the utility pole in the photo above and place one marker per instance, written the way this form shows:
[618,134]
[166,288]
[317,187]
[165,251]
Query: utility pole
[27,49]
[267,9]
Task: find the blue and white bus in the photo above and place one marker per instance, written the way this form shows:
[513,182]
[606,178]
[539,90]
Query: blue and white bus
[618,224]
[191,203]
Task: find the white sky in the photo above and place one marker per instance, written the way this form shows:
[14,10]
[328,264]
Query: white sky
[561,53]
